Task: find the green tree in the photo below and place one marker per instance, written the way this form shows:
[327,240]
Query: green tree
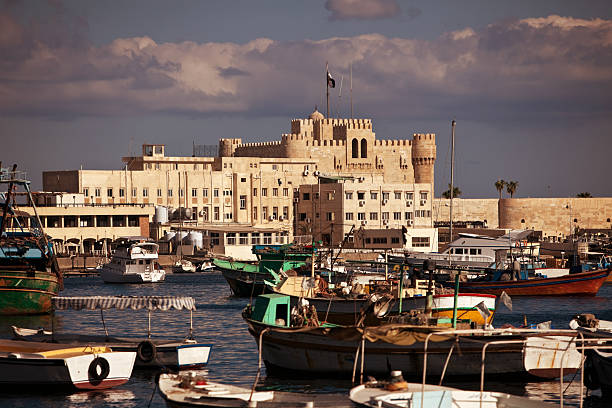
[456,192]
[499,185]
[586,194]
[511,187]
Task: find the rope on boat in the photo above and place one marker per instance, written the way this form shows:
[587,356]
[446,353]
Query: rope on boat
[258,362]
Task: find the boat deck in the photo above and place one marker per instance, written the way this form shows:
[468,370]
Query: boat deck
[48,350]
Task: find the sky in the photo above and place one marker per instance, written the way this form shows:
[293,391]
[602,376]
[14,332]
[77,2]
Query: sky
[84,82]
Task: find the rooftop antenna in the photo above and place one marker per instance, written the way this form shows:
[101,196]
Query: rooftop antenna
[351,91]
[339,98]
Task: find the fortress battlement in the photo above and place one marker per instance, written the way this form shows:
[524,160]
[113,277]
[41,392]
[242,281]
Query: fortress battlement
[396,142]
[424,137]
[290,137]
[319,143]
[260,144]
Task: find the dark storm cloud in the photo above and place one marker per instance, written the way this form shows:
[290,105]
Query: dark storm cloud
[530,69]
[362,9]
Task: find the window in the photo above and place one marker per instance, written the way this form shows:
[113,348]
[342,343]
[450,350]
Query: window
[395,240]
[348,216]
[156,166]
[360,196]
[122,192]
[255,238]
[373,216]
[227,193]
[385,216]
[231,238]
[264,213]
[243,202]
[423,195]
[285,192]
[267,240]
[275,213]
[97,192]
[194,192]
[159,192]
[275,192]
[228,216]
[330,195]
[364,148]
[109,192]
[409,195]
[379,240]
[243,179]
[194,213]
[398,195]
[373,195]
[86,192]
[420,242]
[361,216]
[264,192]
[385,195]
[329,216]
[275,167]
[302,216]
[145,192]
[181,192]
[408,216]
[204,192]
[306,196]
[195,166]
[315,196]
[216,213]
[397,215]
[355,149]
[205,214]
[148,166]
[348,195]
[254,213]
[170,193]
[243,238]
[286,212]
[175,166]
[254,192]
[216,192]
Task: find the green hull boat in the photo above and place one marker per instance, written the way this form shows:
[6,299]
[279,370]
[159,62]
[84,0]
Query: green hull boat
[27,293]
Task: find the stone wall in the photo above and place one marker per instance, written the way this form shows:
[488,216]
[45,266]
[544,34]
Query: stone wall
[480,209]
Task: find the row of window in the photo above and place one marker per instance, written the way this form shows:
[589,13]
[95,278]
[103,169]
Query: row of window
[170,192]
[348,195]
[419,242]
[265,213]
[243,238]
[175,166]
[361,216]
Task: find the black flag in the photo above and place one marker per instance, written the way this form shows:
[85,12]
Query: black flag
[331,82]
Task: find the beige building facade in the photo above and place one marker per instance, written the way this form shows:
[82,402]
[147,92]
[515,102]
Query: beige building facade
[357,212]
[256,184]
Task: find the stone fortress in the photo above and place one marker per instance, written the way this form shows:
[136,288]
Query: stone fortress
[346,146]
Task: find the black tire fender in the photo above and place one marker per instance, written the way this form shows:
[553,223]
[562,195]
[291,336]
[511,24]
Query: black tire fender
[146,351]
[99,368]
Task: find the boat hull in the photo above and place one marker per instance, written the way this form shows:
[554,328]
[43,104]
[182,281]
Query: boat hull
[245,284]
[331,353]
[112,276]
[27,293]
[578,284]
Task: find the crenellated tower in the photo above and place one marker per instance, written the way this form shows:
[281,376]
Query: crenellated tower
[227,147]
[423,157]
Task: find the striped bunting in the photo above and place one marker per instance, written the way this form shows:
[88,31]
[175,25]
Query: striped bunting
[123,302]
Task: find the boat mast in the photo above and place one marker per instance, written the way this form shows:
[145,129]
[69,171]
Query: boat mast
[452,177]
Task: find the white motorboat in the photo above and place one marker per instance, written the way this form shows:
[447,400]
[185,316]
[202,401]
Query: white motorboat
[433,396]
[134,262]
[24,363]
[150,352]
[183,266]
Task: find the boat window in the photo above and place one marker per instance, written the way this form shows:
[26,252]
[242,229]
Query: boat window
[140,262]
[281,313]
[459,250]
[473,251]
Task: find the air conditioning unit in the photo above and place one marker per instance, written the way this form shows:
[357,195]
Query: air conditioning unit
[281,218]
[364,222]
[362,179]
[308,220]
[385,202]
[296,200]
[409,203]
[385,222]
[306,172]
[410,222]
[317,173]
[423,202]
[361,203]
[201,213]
[271,218]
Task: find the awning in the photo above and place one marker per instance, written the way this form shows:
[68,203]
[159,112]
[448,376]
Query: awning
[123,302]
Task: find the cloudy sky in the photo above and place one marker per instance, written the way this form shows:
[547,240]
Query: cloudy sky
[529,83]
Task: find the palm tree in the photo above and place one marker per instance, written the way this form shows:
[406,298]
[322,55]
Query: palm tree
[584,195]
[456,192]
[511,187]
[499,185]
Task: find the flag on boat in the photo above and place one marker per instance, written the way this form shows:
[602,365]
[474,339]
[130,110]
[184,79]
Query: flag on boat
[331,82]
[506,300]
[483,310]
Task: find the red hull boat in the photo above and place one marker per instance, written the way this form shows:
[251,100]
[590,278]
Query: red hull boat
[584,284]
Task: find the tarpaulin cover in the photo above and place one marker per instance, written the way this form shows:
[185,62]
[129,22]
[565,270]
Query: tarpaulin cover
[123,302]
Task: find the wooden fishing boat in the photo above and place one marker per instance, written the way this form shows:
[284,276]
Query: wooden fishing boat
[247,279]
[332,350]
[583,284]
[59,365]
[29,273]
[337,309]
[194,389]
[150,352]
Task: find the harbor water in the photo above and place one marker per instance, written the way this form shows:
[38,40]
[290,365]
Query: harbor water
[234,356]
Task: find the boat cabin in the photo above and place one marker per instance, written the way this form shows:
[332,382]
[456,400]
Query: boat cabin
[272,309]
